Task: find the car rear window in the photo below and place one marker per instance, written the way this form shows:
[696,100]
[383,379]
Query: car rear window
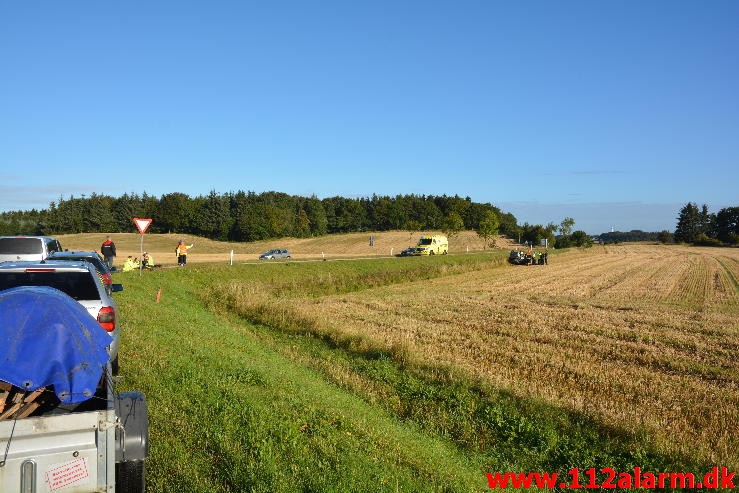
[78,285]
[20,246]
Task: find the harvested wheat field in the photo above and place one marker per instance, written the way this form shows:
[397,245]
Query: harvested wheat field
[642,337]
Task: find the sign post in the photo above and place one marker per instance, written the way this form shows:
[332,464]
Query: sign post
[142,225]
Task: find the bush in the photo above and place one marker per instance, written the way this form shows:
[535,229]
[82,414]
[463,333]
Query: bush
[704,240]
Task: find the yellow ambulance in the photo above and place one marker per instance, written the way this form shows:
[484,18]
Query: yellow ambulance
[432,245]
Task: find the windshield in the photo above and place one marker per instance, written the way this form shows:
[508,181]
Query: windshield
[424,241]
[20,246]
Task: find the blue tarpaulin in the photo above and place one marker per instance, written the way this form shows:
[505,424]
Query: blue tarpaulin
[47,338]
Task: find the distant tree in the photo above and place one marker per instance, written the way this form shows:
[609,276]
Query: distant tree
[317,220]
[98,217]
[563,241]
[174,213]
[475,214]
[453,225]
[302,224]
[211,216]
[664,236]
[509,226]
[535,233]
[565,227]
[489,228]
[581,239]
[692,222]
[727,225]
[707,222]
[124,209]
[704,240]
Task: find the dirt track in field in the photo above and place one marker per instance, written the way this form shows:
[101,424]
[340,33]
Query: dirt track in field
[643,337]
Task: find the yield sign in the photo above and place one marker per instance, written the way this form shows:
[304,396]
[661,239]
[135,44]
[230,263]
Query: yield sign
[142,224]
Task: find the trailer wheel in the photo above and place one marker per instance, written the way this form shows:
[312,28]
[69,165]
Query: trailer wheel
[130,477]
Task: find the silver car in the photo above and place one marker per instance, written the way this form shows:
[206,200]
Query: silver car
[274,254]
[79,280]
[27,248]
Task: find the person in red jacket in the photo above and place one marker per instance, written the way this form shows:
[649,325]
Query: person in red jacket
[108,251]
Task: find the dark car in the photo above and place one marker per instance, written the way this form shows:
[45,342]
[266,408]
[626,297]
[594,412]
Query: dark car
[90,257]
[407,252]
[274,254]
[519,258]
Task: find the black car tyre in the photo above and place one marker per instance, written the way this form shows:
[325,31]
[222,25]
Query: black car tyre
[130,477]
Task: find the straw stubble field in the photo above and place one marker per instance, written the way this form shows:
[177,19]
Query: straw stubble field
[644,338]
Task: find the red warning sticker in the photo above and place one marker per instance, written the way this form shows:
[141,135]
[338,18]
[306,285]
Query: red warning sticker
[62,475]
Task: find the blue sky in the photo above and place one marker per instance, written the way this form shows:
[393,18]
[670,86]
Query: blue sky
[614,113]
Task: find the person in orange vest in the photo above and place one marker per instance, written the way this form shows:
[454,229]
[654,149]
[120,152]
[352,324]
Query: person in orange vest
[181,251]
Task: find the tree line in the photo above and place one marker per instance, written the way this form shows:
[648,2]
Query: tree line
[248,216]
[701,227]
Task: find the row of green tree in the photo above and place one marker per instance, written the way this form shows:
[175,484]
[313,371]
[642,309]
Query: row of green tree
[701,227]
[247,216]
[635,235]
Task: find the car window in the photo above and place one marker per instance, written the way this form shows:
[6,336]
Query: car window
[53,246]
[20,246]
[78,285]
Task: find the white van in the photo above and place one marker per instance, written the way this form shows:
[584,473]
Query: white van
[32,248]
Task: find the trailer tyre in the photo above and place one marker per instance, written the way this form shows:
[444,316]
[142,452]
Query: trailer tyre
[130,477]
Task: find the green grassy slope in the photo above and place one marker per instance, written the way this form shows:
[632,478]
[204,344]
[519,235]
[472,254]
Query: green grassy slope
[229,413]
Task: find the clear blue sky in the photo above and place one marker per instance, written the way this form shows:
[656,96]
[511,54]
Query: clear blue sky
[614,113]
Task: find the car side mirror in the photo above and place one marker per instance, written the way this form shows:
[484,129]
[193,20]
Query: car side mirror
[115,288]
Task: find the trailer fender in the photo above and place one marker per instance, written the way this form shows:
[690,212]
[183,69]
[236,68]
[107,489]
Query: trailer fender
[132,436]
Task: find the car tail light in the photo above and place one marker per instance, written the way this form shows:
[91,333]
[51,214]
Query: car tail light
[106,318]
[38,269]
[106,279]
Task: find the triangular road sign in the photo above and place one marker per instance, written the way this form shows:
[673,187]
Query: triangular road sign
[142,224]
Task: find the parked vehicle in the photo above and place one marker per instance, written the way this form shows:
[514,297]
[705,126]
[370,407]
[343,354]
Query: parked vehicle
[92,257]
[78,280]
[27,248]
[517,257]
[274,254]
[62,426]
[407,252]
[432,245]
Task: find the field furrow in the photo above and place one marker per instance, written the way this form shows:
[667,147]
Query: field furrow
[639,337]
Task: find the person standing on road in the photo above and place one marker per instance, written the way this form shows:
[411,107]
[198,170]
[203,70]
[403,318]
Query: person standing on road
[108,251]
[181,251]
